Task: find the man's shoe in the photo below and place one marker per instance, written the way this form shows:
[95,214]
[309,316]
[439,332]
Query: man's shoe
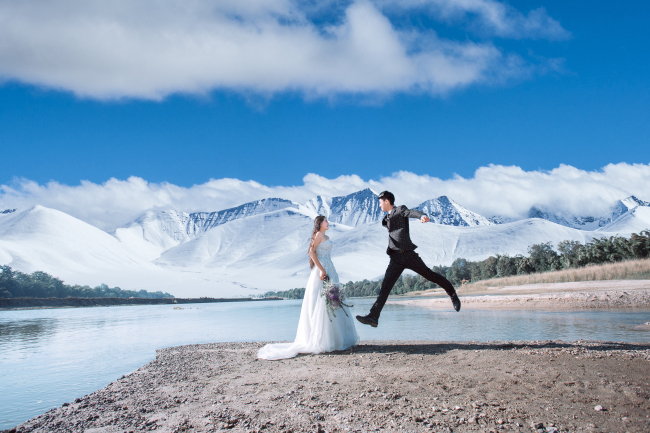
[368,320]
[455,301]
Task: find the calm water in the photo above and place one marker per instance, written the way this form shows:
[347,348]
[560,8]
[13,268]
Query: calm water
[48,357]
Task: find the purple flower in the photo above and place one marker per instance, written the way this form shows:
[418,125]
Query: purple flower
[334,297]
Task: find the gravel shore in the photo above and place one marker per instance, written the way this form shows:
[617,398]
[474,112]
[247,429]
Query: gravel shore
[555,296]
[539,386]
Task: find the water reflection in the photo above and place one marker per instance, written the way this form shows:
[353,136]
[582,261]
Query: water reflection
[26,331]
[48,357]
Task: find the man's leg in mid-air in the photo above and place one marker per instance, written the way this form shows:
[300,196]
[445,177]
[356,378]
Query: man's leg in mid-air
[415,263]
[393,272]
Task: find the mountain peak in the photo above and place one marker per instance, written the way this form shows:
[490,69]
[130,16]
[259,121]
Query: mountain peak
[445,199]
[365,191]
[624,205]
[443,210]
[354,209]
[361,207]
[632,202]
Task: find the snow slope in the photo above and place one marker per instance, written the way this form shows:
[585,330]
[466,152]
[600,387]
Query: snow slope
[633,221]
[155,232]
[48,240]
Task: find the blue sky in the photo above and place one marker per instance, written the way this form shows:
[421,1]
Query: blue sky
[572,90]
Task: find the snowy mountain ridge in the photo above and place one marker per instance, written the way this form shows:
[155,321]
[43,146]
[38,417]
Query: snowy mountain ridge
[262,245]
[590,222]
[576,222]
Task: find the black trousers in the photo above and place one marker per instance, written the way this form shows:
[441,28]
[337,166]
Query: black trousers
[398,262]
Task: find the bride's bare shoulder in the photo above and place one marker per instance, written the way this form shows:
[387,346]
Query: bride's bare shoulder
[318,238]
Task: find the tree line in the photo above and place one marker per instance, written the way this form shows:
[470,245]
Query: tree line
[541,258]
[16,284]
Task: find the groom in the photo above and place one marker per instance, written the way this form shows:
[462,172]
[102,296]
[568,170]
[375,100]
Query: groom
[402,256]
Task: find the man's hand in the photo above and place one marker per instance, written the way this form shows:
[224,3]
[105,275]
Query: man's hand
[425,219]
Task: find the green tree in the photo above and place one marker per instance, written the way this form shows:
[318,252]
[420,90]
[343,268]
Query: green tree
[543,257]
[488,268]
[569,253]
[506,266]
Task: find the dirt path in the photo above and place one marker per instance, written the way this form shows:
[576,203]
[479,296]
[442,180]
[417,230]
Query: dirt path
[395,386]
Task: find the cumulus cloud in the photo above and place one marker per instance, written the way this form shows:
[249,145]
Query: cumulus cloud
[150,49]
[493,190]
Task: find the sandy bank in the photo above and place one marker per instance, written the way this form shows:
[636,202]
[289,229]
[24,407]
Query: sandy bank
[575,295]
[394,386]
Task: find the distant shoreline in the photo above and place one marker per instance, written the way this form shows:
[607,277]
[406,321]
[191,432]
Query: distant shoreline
[41,303]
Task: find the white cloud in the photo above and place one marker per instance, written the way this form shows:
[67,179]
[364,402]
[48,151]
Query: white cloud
[150,49]
[488,17]
[494,190]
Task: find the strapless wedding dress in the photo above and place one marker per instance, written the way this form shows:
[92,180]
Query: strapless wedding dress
[316,332]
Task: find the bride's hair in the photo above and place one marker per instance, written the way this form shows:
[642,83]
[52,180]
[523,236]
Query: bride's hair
[317,222]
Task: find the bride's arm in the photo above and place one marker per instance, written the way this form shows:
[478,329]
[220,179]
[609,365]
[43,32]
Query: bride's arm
[312,253]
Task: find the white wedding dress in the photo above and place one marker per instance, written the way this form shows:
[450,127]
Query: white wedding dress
[316,332]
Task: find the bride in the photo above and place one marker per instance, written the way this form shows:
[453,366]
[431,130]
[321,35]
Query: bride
[318,330]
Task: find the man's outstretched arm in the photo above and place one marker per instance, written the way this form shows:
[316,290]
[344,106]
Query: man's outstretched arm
[414,213]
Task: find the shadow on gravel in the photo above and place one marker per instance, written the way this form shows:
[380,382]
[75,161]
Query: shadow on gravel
[443,347]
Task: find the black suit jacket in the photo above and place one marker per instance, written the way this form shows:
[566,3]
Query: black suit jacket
[397,223]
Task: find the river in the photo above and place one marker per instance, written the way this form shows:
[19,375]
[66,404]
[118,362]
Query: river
[52,356]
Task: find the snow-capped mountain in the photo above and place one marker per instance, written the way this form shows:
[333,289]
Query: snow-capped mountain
[155,232]
[361,207]
[262,245]
[590,222]
[633,220]
[443,210]
[576,222]
[355,209]
[625,205]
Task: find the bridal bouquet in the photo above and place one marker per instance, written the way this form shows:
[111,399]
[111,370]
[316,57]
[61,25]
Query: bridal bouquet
[334,297]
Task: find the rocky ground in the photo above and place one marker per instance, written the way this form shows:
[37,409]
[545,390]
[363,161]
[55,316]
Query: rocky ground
[541,386]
